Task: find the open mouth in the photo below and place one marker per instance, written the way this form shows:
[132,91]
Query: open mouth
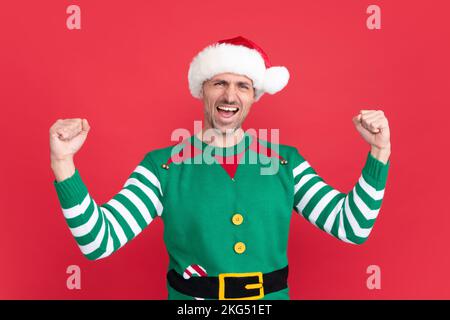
[227,111]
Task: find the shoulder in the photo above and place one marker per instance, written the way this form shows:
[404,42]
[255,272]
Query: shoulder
[163,157]
[160,155]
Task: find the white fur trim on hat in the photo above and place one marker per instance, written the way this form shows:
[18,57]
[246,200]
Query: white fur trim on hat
[224,58]
[276,78]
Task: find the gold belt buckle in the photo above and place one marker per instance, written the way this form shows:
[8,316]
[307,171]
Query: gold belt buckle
[258,285]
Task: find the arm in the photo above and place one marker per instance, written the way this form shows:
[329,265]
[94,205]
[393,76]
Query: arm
[102,229]
[348,217]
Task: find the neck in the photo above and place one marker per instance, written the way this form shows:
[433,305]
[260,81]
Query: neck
[221,139]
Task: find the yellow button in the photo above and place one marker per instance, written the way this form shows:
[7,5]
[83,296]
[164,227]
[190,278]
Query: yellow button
[239,247]
[237,219]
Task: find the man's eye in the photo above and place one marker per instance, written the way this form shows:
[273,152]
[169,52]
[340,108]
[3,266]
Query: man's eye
[218,83]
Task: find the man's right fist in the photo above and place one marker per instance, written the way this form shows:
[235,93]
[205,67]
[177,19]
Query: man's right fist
[66,138]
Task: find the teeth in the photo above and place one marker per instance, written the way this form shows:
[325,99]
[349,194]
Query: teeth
[227,108]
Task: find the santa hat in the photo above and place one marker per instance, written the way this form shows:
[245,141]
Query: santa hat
[241,56]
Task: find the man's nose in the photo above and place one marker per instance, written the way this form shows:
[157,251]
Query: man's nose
[231,95]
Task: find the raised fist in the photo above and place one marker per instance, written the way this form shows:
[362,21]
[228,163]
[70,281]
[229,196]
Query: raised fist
[66,137]
[373,126]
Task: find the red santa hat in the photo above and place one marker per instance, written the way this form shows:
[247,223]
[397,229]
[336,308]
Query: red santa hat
[241,56]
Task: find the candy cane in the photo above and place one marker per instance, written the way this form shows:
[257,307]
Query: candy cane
[194,269]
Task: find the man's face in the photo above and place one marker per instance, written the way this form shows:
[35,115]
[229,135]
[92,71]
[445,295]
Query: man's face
[227,98]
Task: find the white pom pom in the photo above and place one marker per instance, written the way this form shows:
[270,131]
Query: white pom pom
[275,79]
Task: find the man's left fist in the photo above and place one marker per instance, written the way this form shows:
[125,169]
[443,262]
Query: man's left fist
[374,128]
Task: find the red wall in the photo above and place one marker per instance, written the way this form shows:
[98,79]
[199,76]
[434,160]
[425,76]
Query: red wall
[126,72]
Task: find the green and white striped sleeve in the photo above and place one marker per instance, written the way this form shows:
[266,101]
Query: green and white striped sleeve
[101,230]
[348,217]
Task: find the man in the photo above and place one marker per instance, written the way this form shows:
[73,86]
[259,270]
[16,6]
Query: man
[226,221]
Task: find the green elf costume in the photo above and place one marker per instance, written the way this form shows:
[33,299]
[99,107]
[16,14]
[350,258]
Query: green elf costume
[226,211]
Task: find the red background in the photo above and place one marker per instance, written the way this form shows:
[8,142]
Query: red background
[126,72]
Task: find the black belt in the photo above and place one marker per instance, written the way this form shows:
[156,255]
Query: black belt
[249,285]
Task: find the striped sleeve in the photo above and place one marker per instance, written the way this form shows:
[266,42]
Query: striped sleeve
[100,230]
[348,217]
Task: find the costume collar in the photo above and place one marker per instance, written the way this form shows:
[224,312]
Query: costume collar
[238,148]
